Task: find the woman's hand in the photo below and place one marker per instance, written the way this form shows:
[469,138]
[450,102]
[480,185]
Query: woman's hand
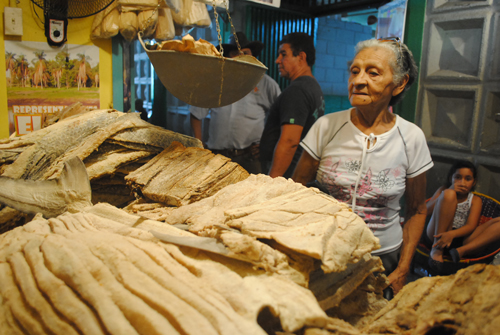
[444,240]
[397,279]
[412,230]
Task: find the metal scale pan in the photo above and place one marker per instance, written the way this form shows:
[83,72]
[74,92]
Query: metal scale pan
[205,81]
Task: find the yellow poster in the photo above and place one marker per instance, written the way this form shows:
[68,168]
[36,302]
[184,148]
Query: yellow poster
[42,80]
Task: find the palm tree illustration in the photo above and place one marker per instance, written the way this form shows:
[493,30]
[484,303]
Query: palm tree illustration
[22,70]
[39,76]
[10,63]
[83,69]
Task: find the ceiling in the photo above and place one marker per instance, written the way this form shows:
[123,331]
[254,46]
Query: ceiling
[319,8]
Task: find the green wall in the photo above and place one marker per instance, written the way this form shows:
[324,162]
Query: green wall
[414,30]
[335,103]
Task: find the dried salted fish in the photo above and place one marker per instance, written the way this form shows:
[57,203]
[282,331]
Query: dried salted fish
[92,142]
[71,110]
[99,271]
[109,163]
[70,192]
[299,218]
[53,141]
[152,138]
[463,303]
[179,175]
[9,155]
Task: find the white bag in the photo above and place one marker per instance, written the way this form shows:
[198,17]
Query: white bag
[198,15]
[128,25]
[165,29]
[110,25]
[147,20]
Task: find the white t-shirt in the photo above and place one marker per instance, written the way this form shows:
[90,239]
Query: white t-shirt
[239,125]
[396,155]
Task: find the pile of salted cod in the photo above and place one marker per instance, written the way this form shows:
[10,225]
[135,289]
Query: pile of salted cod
[200,247]
[112,145]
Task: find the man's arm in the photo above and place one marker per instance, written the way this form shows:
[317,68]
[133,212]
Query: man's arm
[416,211]
[196,126]
[285,149]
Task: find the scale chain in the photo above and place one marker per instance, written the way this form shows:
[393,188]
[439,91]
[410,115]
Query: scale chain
[148,21]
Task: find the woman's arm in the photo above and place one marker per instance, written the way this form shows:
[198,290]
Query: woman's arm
[306,169]
[412,231]
[432,201]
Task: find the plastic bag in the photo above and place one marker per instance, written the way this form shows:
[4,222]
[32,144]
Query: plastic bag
[128,25]
[96,25]
[198,15]
[110,25]
[148,20]
[182,17]
[165,29]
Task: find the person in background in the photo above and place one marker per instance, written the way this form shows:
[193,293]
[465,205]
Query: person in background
[139,108]
[235,130]
[369,157]
[296,109]
[455,212]
[480,238]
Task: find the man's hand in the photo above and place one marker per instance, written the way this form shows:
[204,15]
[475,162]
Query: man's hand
[255,150]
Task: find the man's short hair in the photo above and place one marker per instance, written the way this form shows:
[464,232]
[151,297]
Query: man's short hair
[301,42]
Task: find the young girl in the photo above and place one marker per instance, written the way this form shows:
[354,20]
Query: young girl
[455,213]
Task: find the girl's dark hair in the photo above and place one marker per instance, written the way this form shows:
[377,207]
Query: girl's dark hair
[460,165]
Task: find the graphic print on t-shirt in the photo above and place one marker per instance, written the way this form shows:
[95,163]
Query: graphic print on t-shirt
[374,192]
[353,165]
[329,180]
[379,201]
[365,184]
[383,180]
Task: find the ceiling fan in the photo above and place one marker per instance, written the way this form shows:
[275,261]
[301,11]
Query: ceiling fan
[57,12]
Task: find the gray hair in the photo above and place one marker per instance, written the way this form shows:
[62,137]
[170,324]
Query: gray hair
[403,63]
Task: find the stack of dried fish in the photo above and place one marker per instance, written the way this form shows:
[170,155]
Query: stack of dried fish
[101,272]
[71,110]
[179,175]
[285,228]
[301,219]
[110,143]
[463,303]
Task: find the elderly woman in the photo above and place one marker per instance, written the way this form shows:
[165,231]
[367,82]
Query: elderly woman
[368,157]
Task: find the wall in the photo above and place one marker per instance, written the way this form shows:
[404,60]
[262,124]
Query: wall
[33,30]
[459,90]
[335,43]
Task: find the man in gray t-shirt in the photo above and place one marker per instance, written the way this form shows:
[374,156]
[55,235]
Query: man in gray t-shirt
[296,109]
[235,130]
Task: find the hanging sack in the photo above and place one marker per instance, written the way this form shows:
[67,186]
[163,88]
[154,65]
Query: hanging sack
[165,29]
[96,25]
[128,25]
[147,20]
[182,16]
[110,25]
[198,15]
